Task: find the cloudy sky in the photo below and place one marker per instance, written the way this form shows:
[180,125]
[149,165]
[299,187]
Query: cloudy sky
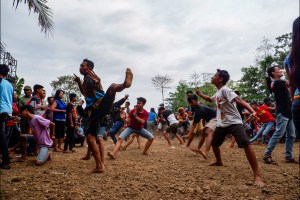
[174,37]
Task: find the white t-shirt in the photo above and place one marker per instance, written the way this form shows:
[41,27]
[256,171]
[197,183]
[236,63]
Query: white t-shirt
[227,112]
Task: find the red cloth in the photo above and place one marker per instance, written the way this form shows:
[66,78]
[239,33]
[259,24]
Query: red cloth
[134,123]
[264,115]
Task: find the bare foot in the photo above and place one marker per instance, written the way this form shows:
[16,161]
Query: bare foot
[49,157]
[216,164]
[98,170]
[145,153]
[111,155]
[128,78]
[85,158]
[57,150]
[198,151]
[258,182]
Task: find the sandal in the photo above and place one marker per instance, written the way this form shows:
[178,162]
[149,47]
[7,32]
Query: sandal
[268,160]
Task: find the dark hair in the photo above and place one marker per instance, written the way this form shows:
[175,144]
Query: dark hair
[142,99]
[4,69]
[192,97]
[237,92]
[48,99]
[295,54]
[27,107]
[224,75]
[189,92]
[152,110]
[90,64]
[270,70]
[127,102]
[71,96]
[56,96]
[253,103]
[161,108]
[36,87]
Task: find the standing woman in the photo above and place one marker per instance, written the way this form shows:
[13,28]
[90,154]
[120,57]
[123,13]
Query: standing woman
[58,108]
[292,66]
[284,122]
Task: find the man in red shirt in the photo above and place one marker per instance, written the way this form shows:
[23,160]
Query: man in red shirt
[265,117]
[137,118]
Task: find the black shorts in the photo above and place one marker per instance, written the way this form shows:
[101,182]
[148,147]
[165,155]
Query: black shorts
[59,129]
[98,115]
[237,130]
[172,128]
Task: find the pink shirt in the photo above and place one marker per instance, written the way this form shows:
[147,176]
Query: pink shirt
[39,126]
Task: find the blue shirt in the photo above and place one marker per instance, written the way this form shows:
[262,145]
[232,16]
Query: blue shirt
[287,62]
[6,96]
[151,117]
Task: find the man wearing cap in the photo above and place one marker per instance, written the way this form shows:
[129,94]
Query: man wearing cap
[27,96]
[137,118]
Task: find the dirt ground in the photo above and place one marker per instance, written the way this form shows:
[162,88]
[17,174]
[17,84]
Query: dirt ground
[167,173]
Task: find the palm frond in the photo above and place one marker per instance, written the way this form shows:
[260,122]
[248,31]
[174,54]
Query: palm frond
[44,12]
[2,49]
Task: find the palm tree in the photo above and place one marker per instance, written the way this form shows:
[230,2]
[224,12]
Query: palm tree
[45,17]
[44,12]
[19,82]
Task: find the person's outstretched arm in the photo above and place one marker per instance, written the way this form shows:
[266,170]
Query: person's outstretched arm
[78,81]
[203,96]
[241,102]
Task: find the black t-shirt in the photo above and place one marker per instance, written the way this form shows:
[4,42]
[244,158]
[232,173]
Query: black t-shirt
[115,114]
[166,114]
[203,112]
[70,110]
[282,98]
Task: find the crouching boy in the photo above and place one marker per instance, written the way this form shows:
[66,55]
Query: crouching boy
[39,127]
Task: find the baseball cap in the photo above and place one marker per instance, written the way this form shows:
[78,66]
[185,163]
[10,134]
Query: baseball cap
[27,88]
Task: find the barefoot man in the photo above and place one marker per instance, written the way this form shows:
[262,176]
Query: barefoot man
[137,118]
[98,102]
[229,121]
[208,115]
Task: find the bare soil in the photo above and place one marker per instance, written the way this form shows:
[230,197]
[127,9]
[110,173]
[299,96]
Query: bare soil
[167,173]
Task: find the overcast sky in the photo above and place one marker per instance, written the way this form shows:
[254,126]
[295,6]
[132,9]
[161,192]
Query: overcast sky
[174,37]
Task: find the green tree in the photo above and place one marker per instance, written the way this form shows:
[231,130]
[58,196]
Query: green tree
[67,84]
[282,47]
[209,90]
[252,84]
[19,82]
[178,98]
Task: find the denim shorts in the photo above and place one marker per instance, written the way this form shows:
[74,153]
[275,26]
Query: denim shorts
[43,154]
[142,132]
[101,131]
